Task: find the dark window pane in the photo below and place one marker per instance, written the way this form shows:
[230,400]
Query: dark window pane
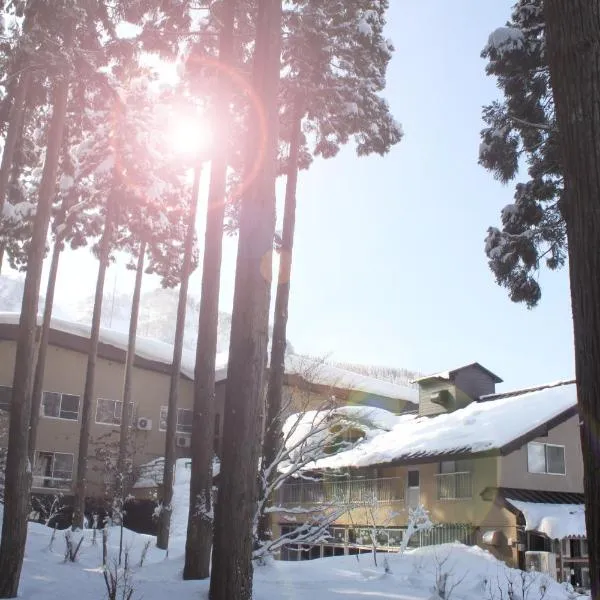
[5,397]
[184,420]
[51,404]
[413,479]
[69,407]
[555,459]
[448,466]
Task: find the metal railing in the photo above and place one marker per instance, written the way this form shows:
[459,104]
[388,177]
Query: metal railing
[54,483]
[454,486]
[342,491]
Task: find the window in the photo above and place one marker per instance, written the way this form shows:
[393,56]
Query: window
[60,406]
[184,419]
[546,458]
[5,397]
[53,470]
[413,479]
[108,412]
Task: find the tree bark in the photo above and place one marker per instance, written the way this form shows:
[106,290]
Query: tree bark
[18,469]
[14,132]
[573,42]
[122,467]
[272,438]
[164,520]
[231,577]
[199,531]
[40,365]
[1,256]
[90,375]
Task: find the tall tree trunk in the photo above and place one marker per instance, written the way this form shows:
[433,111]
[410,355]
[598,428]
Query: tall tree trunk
[272,438]
[14,132]
[199,531]
[40,365]
[164,520]
[90,375]
[18,468]
[573,42]
[122,467]
[231,577]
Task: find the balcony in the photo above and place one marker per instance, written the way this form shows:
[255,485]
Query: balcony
[343,491]
[53,483]
[454,486]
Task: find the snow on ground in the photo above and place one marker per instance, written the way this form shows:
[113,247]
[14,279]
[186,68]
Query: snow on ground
[46,576]
[479,427]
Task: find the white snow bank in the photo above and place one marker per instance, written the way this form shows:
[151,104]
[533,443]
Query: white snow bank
[475,572]
[557,521]
[328,375]
[479,427]
[146,348]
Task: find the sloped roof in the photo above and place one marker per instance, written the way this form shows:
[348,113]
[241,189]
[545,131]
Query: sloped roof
[162,353]
[320,373]
[452,372]
[493,427]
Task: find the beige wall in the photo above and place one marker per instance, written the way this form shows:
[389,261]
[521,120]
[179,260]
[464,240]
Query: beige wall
[65,372]
[513,468]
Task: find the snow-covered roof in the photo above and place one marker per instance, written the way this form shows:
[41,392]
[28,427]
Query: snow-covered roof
[161,352]
[321,373]
[557,521]
[447,375]
[480,427]
[145,348]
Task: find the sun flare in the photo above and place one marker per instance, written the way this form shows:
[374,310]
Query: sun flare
[189,137]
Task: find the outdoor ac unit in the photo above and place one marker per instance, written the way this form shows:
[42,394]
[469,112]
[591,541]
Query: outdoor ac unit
[542,562]
[183,441]
[144,424]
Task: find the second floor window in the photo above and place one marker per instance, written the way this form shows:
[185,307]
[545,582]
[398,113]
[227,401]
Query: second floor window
[108,412]
[5,397]
[546,458]
[60,406]
[184,419]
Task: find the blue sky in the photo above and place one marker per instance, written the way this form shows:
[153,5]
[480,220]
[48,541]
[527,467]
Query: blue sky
[389,266]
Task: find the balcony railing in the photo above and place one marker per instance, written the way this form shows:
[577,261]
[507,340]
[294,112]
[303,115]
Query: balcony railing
[454,486]
[54,483]
[342,491]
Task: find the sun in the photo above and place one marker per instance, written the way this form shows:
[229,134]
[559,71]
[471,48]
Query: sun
[189,137]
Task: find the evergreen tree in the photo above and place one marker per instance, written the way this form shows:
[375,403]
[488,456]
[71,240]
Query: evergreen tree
[231,577]
[521,130]
[199,531]
[573,54]
[331,52]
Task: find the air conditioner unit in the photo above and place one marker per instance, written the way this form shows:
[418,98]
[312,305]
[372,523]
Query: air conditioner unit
[144,424]
[183,441]
[542,562]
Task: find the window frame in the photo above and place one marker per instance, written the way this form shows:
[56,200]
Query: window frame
[165,410]
[120,411]
[59,417]
[545,447]
[9,390]
[52,477]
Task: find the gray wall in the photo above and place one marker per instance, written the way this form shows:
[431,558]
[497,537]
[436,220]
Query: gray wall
[513,468]
[474,382]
